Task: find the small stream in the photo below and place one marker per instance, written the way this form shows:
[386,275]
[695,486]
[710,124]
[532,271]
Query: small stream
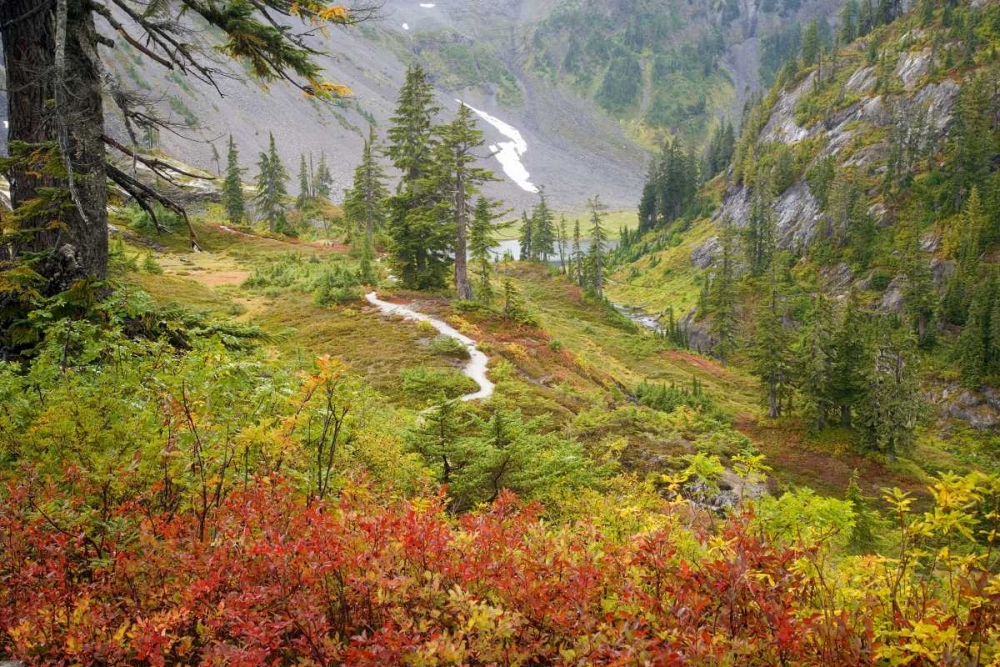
[475,368]
[640,317]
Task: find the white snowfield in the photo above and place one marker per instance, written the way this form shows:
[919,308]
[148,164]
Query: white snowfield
[509,153]
[475,368]
[428,5]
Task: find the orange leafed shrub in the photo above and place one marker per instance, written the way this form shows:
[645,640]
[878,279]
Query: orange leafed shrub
[369,580]
[372,579]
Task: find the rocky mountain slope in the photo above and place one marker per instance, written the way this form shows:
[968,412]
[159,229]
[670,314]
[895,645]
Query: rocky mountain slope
[880,159]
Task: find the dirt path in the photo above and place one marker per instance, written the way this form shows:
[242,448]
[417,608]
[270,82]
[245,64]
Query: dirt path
[476,366]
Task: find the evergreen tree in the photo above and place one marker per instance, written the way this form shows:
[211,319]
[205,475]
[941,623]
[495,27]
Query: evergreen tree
[419,224]
[563,242]
[811,44]
[232,187]
[771,351]
[271,191]
[671,186]
[978,348]
[849,22]
[760,232]
[481,243]
[366,267]
[973,141]
[598,240]
[543,229]
[890,405]
[721,292]
[919,295]
[815,353]
[965,245]
[647,204]
[577,255]
[438,439]
[322,185]
[847,383]
[304,184]
[527,241]
[461,180]
[365,201]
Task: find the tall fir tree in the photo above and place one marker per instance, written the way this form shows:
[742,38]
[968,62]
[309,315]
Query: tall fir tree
[577,255]
[365,201]
[850,352]
[232,187]
[482,240]
[420,229]
[271,190]
[890,405]
[598,245]
[815,367]
[759,235]
[964,243]
[722,293]
[459,141]
[771,351]
[920,297]
[322,185]
[562,240]
[544,230]
[527,240]
[305,195]
[978,348]
[811,44]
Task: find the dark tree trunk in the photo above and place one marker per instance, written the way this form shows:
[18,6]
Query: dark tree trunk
[71,245]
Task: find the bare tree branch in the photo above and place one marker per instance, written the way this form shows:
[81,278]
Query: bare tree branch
[140,191]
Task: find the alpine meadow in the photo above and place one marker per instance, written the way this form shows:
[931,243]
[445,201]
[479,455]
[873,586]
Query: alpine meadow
[500,333]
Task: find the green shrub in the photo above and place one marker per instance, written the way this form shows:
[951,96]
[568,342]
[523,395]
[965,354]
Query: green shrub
[431,384]
[450,347]
[336,285]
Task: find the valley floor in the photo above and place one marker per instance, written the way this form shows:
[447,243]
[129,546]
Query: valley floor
[578,363]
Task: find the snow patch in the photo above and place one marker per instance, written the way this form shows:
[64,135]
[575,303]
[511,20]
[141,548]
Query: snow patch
[406,26]
[508,153]
[428,5]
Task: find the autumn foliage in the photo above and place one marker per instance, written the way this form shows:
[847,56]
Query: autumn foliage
[376,580]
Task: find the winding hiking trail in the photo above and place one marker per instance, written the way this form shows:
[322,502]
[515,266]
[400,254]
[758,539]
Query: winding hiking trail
[476,366]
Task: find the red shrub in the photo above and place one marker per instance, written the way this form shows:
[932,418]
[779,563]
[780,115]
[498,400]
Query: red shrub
[375,581]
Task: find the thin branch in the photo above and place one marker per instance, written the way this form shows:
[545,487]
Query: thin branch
[120,29]
[153,163]
[139,190]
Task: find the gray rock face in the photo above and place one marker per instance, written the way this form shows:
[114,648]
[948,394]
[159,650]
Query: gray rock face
[913,67]
[930,242]
[942,270]
[797,217]
[700,338]
[981,410]
[782,126]
[893,300]
[704,255]
[862,80]
[798,214]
